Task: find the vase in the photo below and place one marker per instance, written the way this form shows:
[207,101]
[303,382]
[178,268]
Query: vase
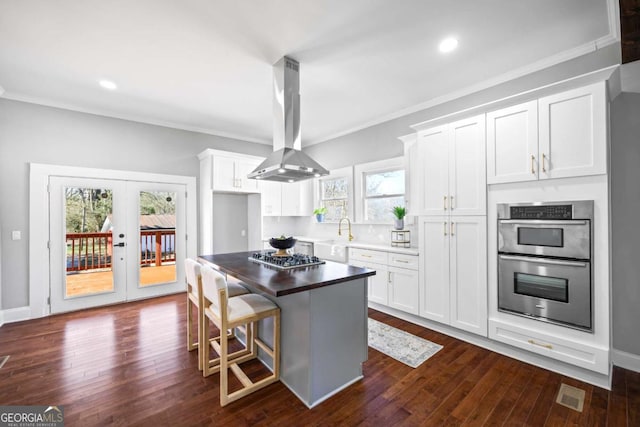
[398,224]
[320,217]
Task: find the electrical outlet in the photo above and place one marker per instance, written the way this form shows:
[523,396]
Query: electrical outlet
[16,235]
[243,233]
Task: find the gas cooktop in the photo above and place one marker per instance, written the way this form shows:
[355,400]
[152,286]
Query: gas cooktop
[285,262]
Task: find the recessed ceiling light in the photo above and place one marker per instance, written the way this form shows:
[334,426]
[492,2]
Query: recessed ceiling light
[281,170]
[447,45]
[108,84]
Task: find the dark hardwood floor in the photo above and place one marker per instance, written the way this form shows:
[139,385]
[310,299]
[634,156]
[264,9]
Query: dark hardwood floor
[128,365]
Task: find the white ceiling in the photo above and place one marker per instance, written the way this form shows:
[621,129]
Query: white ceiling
[206,64]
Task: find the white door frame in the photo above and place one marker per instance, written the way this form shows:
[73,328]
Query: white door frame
[39,220]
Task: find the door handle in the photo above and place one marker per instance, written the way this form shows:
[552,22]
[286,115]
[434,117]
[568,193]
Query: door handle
[533,159]
[445,227]
[544,261]
[444,203]
[453,229]
[544,169]
[120,245]
[451,202]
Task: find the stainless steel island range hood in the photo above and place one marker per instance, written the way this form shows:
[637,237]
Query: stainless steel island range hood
[287,163]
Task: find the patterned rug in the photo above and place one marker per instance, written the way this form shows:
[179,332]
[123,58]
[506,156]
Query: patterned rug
[400,345]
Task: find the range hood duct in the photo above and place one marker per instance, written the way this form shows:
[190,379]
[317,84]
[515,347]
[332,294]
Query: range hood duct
[287,163]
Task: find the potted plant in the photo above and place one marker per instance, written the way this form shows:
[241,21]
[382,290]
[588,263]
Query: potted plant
[399,212]
[320,213]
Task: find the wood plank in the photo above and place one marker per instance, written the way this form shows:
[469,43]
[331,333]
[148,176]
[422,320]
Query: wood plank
[127,365]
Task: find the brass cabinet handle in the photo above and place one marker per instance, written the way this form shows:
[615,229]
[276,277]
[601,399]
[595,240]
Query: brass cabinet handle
[389,277]
[544,169]
[445,227]
[444,203]
[453,228]
[402,260]
[533,160]
[451,202]
[365,255]
[549,346]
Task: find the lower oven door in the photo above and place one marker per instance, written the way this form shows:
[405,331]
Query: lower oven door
[554,290]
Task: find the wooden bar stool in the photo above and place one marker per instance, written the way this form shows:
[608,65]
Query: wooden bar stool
[194,296]
[228,313]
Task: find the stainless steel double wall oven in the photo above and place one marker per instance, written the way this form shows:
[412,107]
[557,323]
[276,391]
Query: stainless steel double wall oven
[545,261]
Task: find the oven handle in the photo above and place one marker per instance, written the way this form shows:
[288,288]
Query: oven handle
[543,221]
[544,260]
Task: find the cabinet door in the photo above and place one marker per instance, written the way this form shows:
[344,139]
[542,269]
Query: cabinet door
[434,274]
[468,273]
[512,144]
[224,174]
[573,133]
[377,284]
[244,167]
[467,172]
[433,191]
[297,198]
[270,198]
[403,289]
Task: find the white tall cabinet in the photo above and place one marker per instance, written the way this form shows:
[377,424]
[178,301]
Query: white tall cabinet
[450,199]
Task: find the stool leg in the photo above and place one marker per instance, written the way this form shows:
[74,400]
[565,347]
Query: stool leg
[276,345]
[224,372]
[190,345]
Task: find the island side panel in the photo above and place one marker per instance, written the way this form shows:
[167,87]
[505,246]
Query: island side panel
[338,332]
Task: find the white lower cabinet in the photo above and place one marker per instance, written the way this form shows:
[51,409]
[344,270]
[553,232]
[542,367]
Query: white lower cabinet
[396,283]
[556,347]
[453,274]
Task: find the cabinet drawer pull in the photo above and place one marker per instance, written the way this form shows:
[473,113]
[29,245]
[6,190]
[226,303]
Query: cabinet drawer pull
[366,256]
[444,203]
[548,346]
[445,227]
[544,156]
[533,160]
[402,260]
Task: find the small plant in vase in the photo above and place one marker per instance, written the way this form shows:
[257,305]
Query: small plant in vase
[399,212]
[320,213]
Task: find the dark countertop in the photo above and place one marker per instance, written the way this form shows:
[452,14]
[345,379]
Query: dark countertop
[284,282]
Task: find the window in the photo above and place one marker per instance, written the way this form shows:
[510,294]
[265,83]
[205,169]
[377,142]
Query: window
[380,187]
[383,191]
[335,194]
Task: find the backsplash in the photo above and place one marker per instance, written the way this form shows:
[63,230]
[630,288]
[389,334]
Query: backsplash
[308,227]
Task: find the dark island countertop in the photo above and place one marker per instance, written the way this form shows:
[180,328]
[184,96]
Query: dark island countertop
[284,282]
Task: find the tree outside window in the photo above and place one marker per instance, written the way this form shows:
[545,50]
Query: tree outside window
[382,191]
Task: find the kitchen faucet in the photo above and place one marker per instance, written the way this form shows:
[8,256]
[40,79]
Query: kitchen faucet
[340,228]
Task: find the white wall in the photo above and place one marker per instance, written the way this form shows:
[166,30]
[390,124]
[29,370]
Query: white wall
[32,133]
[625,216]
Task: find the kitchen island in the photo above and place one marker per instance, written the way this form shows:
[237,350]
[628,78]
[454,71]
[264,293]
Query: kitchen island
[323,320]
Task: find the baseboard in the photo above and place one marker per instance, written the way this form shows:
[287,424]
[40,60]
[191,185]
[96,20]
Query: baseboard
[549,364]
[626,360]
[15,315]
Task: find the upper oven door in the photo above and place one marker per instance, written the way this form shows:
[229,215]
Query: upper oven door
[556,238]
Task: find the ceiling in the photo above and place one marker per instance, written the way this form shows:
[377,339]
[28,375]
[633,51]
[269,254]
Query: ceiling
[205,65]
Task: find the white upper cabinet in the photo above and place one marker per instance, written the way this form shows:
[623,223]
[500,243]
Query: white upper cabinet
[297,198]
[512,144]
[451,159]
[573,133]
[558,136]
[227,172]
[287,199]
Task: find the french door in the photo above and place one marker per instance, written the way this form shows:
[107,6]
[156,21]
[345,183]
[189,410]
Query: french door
[114,240]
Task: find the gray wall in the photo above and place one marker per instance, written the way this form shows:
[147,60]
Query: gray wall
[32,133]
[625,212]
[380,141]
[230,213]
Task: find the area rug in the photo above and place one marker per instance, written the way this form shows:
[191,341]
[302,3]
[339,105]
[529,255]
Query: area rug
[403,346]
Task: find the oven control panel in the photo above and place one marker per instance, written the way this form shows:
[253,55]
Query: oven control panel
[541,212]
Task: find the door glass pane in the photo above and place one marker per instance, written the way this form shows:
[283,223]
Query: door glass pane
[157,237]
[546,287]
[88,213]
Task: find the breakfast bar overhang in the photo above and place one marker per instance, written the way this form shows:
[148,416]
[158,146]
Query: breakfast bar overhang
[323,320]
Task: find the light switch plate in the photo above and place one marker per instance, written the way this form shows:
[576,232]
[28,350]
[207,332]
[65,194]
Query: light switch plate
[16,235]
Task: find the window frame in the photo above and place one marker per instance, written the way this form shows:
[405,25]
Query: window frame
[361,170]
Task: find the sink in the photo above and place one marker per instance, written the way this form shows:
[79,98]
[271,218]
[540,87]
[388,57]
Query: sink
[331,251]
